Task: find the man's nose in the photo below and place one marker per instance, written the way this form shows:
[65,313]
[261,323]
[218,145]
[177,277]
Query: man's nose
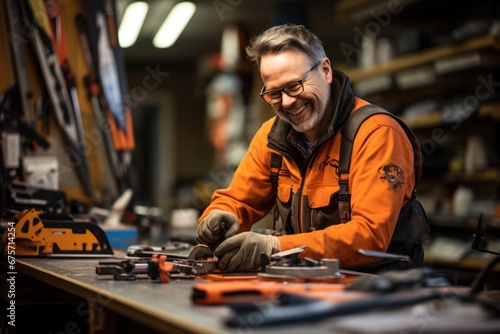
[287,100]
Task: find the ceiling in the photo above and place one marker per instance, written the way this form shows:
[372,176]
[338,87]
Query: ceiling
[203,33]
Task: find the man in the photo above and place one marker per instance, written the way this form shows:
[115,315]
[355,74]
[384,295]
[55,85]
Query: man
[312,101]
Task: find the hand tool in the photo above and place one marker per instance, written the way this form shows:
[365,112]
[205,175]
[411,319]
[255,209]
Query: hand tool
[161,266]
[219,293]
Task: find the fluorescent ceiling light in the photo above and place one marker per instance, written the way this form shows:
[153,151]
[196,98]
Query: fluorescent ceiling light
[132,23]
[174,24]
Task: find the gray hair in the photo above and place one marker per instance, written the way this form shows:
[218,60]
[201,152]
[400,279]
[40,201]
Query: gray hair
[285,37]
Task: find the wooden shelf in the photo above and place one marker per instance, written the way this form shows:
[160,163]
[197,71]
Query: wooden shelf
[422,58]
[359,10]
[346,6]
[466,263]
[434,118]
[490,175]
[467,222]
[490,110]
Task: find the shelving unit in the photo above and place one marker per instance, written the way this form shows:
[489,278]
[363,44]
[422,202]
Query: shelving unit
[450,78]
[425,57]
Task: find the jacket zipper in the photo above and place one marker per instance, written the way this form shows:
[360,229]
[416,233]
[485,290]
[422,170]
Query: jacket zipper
[303,172]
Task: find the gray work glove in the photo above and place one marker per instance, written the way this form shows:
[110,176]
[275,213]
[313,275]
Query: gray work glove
[217,226]
[242,252]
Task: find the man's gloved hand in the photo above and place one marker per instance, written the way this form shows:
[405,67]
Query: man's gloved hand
[242,252]
[210,230]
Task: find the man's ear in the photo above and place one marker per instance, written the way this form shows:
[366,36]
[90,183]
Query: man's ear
[326,69]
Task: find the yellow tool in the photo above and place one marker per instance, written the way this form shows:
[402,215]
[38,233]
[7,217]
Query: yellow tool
[57,235]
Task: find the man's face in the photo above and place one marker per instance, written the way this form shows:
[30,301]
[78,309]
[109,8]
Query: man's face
[305,111]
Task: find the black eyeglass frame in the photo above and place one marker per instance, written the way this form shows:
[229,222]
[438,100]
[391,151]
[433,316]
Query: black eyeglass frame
[284,89]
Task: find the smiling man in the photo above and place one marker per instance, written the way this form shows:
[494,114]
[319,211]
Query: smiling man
[294,164]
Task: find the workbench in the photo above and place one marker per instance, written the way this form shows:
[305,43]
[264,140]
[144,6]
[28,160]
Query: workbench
[101,304]
[66,296]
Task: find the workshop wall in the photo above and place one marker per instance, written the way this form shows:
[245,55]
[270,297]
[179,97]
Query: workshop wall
[100,173]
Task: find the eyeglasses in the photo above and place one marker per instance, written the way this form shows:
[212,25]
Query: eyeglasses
[292,89]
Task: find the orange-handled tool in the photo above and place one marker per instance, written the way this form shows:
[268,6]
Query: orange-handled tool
[218,293]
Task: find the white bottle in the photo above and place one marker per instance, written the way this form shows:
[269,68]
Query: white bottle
[462,199]
[475,155]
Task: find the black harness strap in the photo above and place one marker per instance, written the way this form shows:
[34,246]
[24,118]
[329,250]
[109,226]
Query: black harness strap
[275,169]
[276,161]
[349,131]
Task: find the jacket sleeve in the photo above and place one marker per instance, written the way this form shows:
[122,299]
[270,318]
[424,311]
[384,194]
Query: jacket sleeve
[249,195]
[381,180]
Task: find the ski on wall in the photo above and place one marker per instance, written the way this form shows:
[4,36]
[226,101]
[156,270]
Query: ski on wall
[116,125]
[109,62]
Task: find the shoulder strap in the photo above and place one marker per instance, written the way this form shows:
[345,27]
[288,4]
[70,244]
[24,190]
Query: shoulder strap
[276,160]
[349,131]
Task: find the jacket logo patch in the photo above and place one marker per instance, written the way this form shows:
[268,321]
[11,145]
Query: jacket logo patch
[285,173]
[393,174]
[328,162]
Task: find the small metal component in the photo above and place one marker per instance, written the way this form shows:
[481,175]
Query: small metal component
[200,252]
[148,251]
[289,252]
[326,268]
[287,264]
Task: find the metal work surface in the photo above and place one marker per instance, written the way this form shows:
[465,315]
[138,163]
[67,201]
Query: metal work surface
[165,307]
[168,307]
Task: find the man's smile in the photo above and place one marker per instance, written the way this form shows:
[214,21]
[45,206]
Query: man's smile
[297,111]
